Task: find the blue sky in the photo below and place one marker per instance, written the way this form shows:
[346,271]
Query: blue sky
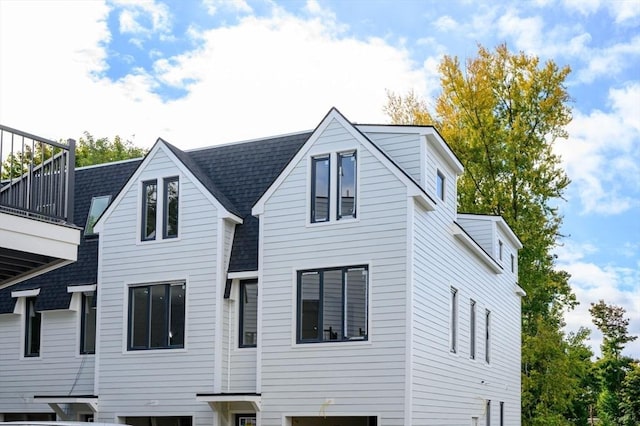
[199,73]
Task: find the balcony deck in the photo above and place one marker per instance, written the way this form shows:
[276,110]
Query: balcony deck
[37,233]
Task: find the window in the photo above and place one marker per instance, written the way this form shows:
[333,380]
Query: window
[88,324]
[149,205]
[453,326]
[487,343]
[488,412]
[440,185]
[170,210]
[500,246]
[248,313]
[320,189]
[347,185]
[33,328]
[156,316]
[332,304]
[472,329]
[501,413]
[98,206]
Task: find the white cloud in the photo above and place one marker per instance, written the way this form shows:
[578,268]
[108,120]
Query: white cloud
[261,77]
[602,154]
[592,283]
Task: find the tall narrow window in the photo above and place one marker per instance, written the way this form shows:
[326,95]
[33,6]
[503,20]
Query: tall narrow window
[157,316]
[440,185]
[88,324]
[488,412]
[453,325]
[332,304]
[347,185]
[170,210]
[149,209]
[98,206]
[33,325]
[472,329]
[487,342]
[320,189]
[248,313]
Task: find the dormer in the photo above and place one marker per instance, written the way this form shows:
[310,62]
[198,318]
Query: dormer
[424,156]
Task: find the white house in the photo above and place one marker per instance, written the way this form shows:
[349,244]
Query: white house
[315,279]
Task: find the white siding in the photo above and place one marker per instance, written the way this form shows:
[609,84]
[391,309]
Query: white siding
[59,370]
[343,377]
[449,389]
[158,382]
[403,148]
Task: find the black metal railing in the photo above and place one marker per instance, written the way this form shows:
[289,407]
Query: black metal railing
[36,176]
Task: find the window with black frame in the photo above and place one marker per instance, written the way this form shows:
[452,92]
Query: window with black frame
[157,316]
[248,325]
[332,304]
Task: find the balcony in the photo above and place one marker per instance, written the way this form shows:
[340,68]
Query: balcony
[37,233]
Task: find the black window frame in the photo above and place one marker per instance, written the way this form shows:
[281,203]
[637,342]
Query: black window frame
[89,224]
[453,322]
[167,317]
[344,327]
[87,304]
[165,206]
[472,329]
[440,184]
[144,223]
[487,341]
[314,161]
[339,202]
[32,319]
[241,324]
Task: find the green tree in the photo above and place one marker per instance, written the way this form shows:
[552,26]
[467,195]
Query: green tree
[91,151]
[612,367]
[501,115]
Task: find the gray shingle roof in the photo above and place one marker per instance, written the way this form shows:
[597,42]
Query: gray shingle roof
[237,175]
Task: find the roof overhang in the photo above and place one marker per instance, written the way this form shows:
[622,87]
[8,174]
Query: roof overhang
[215,399]
[30,247]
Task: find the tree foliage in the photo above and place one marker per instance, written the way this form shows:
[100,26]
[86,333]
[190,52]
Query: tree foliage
[501,114]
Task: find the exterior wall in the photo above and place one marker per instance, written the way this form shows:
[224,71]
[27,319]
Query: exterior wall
[158,382]
[357,378]
[60,369]
[403,148]
[450,388]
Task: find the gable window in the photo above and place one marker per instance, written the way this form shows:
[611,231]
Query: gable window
[33,328]
[472,329]
[98,206]
[440,185]
[332,304]
[248,313]
[347,185]
[149,208]
[453,321]
[487,342]
[170,210]
[156,316]
[320,189]
[88,324]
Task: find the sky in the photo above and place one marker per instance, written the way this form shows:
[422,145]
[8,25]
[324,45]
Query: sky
[204,72]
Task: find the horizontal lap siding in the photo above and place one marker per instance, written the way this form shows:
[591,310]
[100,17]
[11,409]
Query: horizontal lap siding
[158,382]
[59,371]
[449,389]
[357,377]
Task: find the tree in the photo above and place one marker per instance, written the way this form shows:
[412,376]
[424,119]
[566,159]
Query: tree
[612,367]
[91,151]
[501,115]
